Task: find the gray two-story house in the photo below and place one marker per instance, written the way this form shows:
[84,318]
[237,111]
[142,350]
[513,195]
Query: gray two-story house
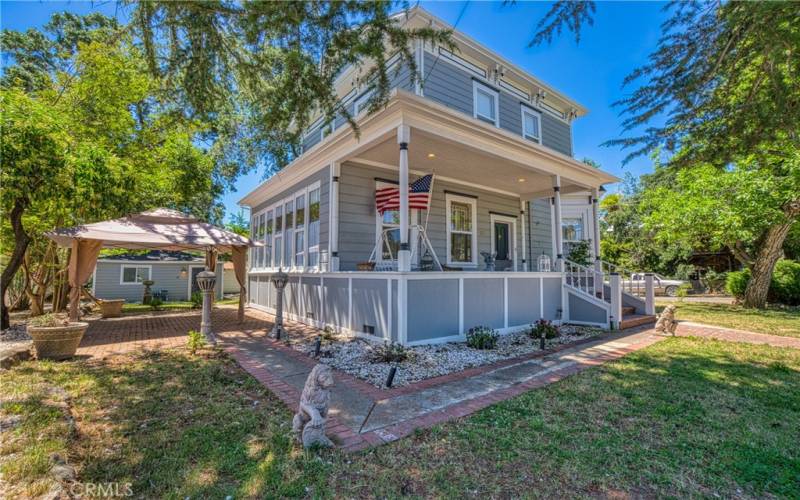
[372,251]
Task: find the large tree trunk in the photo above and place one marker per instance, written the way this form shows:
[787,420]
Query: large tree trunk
[21,242]
[755,295]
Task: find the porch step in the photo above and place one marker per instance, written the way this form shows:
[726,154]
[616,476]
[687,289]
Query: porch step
[632,320]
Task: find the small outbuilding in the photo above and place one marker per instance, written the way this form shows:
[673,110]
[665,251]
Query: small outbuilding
[173,274]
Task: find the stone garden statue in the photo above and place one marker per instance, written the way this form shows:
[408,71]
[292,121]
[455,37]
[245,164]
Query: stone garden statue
[666,321]
[308,424]
[489,260]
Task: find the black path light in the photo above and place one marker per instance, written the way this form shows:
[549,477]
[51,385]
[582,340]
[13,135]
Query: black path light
[390,377]
[279,279]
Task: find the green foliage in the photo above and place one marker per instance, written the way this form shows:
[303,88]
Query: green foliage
[682,291]
[195,341]
[736,282]
[579,253]
[713,281]
[238,224]
[482,337]
[784,287]
[544,327]
[156,303]
[391,352]
[197,300]
[48,320]
[261,72]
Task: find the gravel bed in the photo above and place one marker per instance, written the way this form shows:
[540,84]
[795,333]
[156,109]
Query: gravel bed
[15,333]
[355,355]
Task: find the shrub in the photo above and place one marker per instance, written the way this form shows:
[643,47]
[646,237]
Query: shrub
[391,352]
[197,300]
[683,291]
[579,252]
[736,282]
[784,288]
[328,334]
[156,303]
[714,281]
[482,337]
[547,327]
[195,341]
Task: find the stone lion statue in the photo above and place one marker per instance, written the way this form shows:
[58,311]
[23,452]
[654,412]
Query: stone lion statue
[666,321]
[308,424]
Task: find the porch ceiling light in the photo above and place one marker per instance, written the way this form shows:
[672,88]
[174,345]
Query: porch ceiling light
[521,179]
[431,155]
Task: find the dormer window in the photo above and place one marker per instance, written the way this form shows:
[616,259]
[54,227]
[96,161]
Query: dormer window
[531,124]
[486,103]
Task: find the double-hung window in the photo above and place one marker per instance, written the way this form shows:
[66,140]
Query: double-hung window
[485,103]
[134,275]
[313,227]
[278,244]
[462,235]
[260,237]
[531,124]
[253,229]
[572,229]
[300,230]
[268,234]
[288,233]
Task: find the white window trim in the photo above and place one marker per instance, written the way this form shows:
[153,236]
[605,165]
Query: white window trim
[511,221]
[526,110]
[290,260]
[122,273]
[309,247]
[582,218]
[496,95]
[413,220]
[449,198]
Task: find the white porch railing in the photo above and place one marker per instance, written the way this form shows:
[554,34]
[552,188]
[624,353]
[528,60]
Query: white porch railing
[584,279]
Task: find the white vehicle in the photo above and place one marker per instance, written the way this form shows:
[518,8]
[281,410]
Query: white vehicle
[662,285]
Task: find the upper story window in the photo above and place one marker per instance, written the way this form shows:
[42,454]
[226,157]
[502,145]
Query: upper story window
[485,103]
[327,129]
[531,124]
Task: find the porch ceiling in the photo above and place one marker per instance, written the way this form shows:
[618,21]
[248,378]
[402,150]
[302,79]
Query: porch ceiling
[467,164]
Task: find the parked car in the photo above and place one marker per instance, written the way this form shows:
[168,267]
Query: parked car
[662,285]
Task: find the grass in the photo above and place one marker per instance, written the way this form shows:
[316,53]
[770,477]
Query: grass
[783,321]
[174,305]
[685,417]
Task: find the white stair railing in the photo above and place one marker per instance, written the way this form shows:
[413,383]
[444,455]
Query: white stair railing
[583,279]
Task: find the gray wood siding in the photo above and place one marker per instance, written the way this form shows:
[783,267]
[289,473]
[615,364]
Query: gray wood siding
[357,219]
[323,176]
[451,86]
[540,231]
[166,277]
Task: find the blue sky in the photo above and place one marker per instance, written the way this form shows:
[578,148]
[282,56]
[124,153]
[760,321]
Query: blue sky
[623,35]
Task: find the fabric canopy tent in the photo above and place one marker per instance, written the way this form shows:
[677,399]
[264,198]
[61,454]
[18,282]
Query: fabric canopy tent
[158,229]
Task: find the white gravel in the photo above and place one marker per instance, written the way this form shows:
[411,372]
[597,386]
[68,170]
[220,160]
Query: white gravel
[354,355]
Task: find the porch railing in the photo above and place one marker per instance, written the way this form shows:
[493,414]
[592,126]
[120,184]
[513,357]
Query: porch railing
[584,279]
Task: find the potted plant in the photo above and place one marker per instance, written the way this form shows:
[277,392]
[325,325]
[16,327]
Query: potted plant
[111,308]
[55,337]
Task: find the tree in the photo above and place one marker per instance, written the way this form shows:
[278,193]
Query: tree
[92,143]
[238,223]
[726,77]
[258,71]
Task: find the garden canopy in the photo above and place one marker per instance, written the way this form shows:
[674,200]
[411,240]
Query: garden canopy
[157,229]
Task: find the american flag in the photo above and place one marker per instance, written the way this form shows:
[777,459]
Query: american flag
[418,195]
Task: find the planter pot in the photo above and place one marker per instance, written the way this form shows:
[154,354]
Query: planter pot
[111,308]
[57,342]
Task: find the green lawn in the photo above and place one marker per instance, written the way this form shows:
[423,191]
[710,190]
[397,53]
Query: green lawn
[685,417]
[776,321]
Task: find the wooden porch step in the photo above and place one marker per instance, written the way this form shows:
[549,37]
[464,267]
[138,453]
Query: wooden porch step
[633,320]
[628,310]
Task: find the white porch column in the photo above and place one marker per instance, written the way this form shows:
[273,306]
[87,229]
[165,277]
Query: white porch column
[615,316]
[404,255]
[598,264]
[557,222]
[333,258]
[523,222]
[649,294]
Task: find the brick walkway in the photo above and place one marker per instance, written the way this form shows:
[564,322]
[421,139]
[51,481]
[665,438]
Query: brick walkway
[689,329]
